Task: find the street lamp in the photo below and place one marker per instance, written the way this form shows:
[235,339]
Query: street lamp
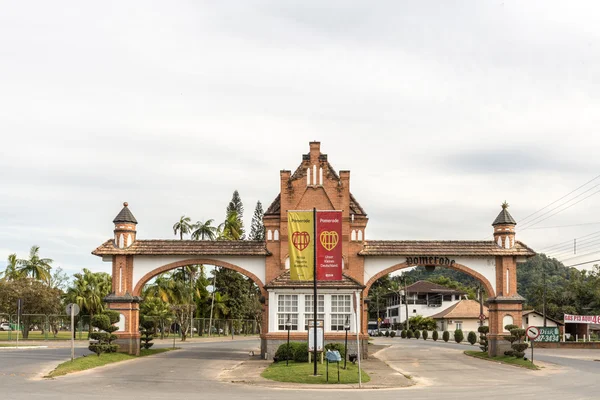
[346,328]
[288,326]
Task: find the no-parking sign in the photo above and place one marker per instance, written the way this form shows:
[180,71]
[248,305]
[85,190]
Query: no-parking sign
[532,332]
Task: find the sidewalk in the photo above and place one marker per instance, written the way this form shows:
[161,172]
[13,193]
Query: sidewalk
[382,376]
[63,343]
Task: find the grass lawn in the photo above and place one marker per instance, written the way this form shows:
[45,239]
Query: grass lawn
[93,361]
[15,344]
[303,373]
[503,359]
[37,335]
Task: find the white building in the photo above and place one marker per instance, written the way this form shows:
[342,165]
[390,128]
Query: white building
[424,298]
[534,318]
[463,315]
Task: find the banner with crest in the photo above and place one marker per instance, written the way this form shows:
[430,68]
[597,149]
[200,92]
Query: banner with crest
[329,245]
[301,245]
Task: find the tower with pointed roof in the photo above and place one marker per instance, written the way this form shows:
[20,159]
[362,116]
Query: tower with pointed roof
[504,228]
[125,228]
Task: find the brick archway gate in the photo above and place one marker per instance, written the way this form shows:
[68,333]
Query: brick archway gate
[315,183]
[135,262]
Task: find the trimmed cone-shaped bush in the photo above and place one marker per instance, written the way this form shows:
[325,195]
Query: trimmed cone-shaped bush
[410,334]
[472,337]
[483,341]
[417,334]
[425,335]
[459,336]
[393,334]
[387,333]
[446,336]
[435,336]
[403,334]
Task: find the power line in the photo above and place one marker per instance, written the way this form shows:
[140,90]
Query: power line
[564,209]
[556,201]
[582,255]
[570,241]
[572,244]
[583,263]
[582,247]
[566,226]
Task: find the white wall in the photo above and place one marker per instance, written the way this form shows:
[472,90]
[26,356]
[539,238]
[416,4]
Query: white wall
[486,266]
[144,264]
[468,325]
[301,322]
[421,309]
[536,320]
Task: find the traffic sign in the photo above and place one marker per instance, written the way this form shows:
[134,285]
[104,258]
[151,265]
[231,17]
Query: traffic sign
[482,317]
[532,332]
[75,309]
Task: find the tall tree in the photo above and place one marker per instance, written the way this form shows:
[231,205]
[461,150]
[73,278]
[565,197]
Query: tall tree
[231,228]
[183,226]
[204,230]
[235,205]
[36,267]
[257,229]
[12,268]
[88,292]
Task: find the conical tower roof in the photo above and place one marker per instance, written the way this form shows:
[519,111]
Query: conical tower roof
[125,216]
[504,218]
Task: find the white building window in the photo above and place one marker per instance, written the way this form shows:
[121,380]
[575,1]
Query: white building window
[287,307]
[309,311]
[458,324]
[341,306]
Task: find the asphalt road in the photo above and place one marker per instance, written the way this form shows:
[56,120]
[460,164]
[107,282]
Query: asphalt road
[440,369]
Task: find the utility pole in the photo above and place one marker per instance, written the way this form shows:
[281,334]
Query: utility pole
[480,296]
[212,304]
[406,302]
[544,297]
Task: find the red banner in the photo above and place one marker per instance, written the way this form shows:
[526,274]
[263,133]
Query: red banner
[329,245]
[582,319]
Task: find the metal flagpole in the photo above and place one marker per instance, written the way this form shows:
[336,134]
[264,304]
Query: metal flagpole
[356,308]
[315,301]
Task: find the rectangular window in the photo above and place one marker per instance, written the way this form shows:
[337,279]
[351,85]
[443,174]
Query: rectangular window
[447,297]
[287,310]
[341,307]
[458,324]
[309,310]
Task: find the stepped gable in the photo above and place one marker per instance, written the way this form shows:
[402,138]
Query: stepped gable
[441,248]
[186,247]
[284,281]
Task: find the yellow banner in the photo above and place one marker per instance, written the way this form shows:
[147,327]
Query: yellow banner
[301,245]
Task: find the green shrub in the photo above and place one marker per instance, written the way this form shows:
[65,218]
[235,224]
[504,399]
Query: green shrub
[104,338]
[334,346]
[519,354]
[403,334]
[393,334]
[435,336]
[425,335]
[417,334]
[446,336]
[300,350]
[509,353]
[410,334]
[379,333]
[458,336]
[483,341]
[472,338]
[147,327]
[285,352]
[519,348]
[387,333]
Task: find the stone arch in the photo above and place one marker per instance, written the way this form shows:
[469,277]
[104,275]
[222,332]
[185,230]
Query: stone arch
[184,263]
[458,267]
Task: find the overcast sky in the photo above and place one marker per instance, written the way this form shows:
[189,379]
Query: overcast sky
[441,110]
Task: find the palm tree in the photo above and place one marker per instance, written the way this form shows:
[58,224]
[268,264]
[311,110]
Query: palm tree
[204,230]
[12,270]
[220,306]
[88,292]
[183,226]
[231,228]
[38,268]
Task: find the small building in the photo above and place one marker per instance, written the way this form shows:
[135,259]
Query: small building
[534,318]
[463,315]
[424,299]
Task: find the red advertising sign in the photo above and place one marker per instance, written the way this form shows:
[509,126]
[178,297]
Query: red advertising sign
[582,319]
[329,245]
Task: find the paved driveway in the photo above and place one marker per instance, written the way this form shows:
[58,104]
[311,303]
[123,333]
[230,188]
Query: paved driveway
[442,371]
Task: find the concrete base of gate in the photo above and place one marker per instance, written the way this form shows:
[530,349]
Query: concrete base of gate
[497,345]
[129,344]
[268,347]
